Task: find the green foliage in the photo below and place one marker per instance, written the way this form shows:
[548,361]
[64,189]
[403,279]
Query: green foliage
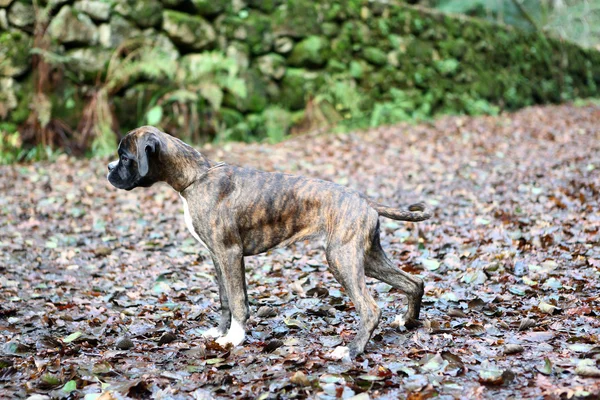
[199,87]
[10,145]
[12,150]
[343,94]
[134,60]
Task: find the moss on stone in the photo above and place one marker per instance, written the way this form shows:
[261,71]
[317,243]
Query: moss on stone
[256,94]
[254,29]
[330,29]
[271,65]
[403,61]
[266,6]
[189,32]
[15,59]
[210,7]
[87,64]
[375,56]
[310,52]
[296,86]
[71,27]
[297,18]
[146,14]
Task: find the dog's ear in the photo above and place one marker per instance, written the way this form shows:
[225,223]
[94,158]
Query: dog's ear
[147,147]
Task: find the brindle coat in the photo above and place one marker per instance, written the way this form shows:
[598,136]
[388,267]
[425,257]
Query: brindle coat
[239,212]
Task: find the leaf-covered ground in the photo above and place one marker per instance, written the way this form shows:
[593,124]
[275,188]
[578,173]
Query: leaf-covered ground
[105,291]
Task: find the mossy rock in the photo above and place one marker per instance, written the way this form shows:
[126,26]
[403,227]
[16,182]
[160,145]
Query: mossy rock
[15,59]
[8,96]
[283,45]
[159,40]
[254,29]
[271,65]
[22,15]
[358,32]
[297,85]
[24,94]
[297,18]
[266,6]
[341,48]
[71,27]
[375,56]
[98,10]
[146,14]
[210,8]
[240,52]
[256,94]
[330,29]
[4,25]
[190,32]
[172,3]
[335,66]
[88,63]
[116,31]
[310,52]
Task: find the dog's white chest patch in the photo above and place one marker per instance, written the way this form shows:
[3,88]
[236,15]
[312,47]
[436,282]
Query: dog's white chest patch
[188,220]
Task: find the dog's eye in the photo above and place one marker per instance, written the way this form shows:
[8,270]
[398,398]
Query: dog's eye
[124,159]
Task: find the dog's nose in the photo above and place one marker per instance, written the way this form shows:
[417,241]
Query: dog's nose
[112,166]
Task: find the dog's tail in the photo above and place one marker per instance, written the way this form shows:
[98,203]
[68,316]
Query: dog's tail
[415,213]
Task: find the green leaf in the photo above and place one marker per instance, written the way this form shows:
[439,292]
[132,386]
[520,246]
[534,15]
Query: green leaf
[154,115]
[294,323]
[70,386]
[213,94]
[72,337]
[545,369]
[431,264]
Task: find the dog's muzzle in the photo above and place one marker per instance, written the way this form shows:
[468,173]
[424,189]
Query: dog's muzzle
[112,166]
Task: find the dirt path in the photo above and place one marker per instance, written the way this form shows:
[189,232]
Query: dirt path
[511,261]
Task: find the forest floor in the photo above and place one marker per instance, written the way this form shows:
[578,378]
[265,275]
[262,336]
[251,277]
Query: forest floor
[103,290]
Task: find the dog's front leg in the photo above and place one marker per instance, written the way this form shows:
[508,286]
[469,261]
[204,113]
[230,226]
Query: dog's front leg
[233,281]
[225,321]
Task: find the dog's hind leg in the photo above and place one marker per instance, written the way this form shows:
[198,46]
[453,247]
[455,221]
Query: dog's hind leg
[346,264]
[379,266]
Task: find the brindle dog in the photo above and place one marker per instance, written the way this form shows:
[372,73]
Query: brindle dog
[237,212]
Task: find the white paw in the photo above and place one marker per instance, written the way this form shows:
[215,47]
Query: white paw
[212,333]
[340,353]
[398,322]
[235,335]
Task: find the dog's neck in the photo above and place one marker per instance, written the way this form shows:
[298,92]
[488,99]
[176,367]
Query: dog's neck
[189,165]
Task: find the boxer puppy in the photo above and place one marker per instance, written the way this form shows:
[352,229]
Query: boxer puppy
[237,212]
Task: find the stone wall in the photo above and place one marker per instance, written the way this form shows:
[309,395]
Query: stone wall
[380,61]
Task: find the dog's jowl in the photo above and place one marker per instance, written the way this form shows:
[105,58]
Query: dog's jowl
[237,212]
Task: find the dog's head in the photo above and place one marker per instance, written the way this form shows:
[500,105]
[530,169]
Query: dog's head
[138,163]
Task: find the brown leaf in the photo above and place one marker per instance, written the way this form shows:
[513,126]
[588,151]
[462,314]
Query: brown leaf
[272,346]
[124,343]
[512,349]
[457,313]
[300,379]
[526,323]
